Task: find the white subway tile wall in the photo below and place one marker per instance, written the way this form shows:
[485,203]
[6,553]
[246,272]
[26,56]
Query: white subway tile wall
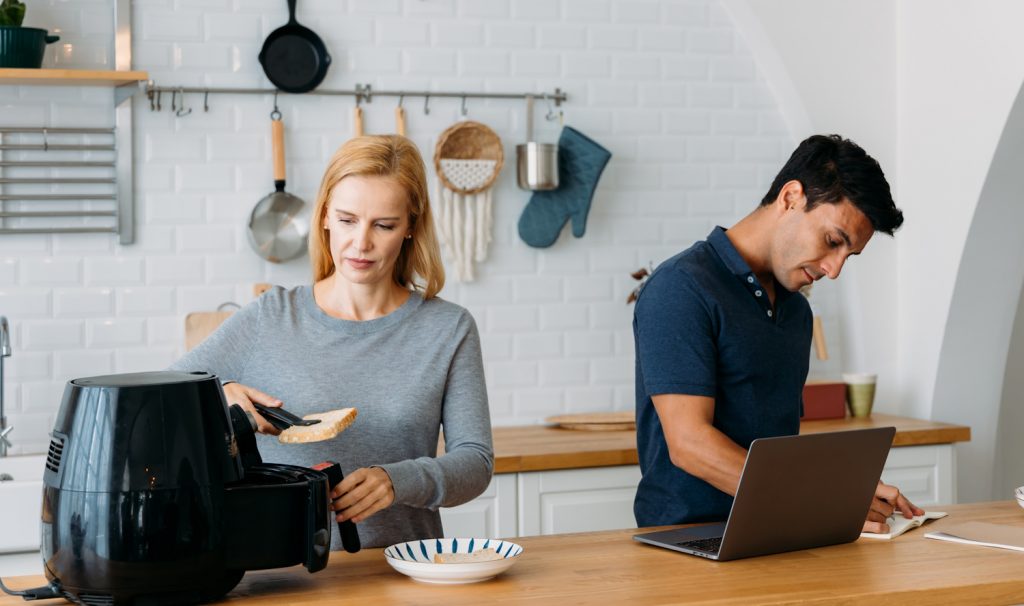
[668,86]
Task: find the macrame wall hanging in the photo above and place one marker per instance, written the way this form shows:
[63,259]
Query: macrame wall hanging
[468,158]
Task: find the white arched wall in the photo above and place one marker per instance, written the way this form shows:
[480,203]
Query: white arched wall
[1009,451]
[986,295]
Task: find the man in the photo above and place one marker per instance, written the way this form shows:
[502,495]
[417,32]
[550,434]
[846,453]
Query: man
[723,337]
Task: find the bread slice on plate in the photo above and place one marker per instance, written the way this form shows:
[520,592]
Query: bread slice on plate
[482,555]
[331,424]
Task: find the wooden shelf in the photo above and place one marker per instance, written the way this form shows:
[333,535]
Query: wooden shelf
[69,77]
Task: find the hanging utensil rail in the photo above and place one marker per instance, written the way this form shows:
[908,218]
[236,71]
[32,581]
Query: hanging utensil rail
[363,93]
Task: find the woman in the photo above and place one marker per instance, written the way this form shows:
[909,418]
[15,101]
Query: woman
[369,333]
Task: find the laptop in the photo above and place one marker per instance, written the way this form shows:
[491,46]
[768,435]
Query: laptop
[795,492]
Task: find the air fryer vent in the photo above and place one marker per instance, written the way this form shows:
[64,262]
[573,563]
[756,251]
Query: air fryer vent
[55,453]
[95,599]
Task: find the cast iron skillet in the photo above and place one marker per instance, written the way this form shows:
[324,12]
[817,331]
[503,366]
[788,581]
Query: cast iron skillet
[294,57]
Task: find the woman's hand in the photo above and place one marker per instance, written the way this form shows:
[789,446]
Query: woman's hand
[244,396]
[886,501]
[362,493]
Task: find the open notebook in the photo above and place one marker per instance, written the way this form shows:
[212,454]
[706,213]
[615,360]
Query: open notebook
[985,534]
[899,524]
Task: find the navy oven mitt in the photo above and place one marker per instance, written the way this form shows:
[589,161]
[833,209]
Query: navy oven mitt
[580,163]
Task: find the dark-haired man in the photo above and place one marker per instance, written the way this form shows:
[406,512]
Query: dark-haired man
[723,337]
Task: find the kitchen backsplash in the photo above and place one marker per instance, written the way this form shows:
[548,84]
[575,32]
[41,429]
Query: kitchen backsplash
[667,86]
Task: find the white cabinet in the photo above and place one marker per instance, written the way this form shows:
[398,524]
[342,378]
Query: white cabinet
[491,515]
[577,500]
[601,498]
[925,474]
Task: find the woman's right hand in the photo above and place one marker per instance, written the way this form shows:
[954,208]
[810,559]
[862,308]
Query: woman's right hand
[244,396]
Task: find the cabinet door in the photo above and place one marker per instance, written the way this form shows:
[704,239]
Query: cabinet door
[925,474]
[490,515]
[577,500]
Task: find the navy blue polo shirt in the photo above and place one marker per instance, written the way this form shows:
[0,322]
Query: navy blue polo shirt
[704,326]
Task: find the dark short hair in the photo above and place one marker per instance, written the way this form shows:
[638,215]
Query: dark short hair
[831,169]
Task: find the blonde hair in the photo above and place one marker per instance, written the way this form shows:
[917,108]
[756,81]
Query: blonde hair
[419,263]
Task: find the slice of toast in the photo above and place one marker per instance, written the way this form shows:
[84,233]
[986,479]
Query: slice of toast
[482,555]
[331,424]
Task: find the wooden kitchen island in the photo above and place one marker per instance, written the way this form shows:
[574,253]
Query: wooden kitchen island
[608,567]
[543,448]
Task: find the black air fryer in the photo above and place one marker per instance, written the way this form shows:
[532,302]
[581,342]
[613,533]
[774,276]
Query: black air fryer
[154,493]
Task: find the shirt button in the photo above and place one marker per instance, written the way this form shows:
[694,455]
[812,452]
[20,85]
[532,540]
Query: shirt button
[769,313]
[757,293]
[750,279]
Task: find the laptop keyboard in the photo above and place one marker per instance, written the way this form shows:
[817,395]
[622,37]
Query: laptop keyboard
[709,545]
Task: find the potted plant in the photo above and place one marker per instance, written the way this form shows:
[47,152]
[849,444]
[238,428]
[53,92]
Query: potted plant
[20,46]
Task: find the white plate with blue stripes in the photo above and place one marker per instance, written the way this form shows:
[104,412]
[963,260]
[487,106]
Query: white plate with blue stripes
[416,559]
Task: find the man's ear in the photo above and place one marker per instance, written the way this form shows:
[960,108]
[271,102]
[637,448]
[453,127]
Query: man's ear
[792,195]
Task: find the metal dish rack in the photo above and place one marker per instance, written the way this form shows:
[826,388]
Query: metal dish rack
[60,180]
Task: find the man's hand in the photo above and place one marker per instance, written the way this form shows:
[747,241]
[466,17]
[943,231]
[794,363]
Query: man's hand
[887,500]
[362,493]
[236,393]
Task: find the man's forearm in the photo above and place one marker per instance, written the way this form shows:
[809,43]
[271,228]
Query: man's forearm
[707,453]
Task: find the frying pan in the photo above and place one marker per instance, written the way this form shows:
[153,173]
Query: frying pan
[279,223]
[294,57]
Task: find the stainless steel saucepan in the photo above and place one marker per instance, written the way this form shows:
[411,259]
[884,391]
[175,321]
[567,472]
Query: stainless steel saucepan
[279,224]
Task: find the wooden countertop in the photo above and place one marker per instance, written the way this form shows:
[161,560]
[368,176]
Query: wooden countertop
[610,568]
[540,447]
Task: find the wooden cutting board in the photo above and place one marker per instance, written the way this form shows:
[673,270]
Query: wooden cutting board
[199,324]
[596,421]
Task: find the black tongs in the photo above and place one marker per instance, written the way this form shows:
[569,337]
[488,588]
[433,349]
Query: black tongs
[281,418]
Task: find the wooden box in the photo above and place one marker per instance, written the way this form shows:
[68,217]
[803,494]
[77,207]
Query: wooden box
[824,400]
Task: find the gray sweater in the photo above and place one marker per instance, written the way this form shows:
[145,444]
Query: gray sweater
[408,373]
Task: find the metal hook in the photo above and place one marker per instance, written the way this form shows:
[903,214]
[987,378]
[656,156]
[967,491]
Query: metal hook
[159,94]
[151,95]
[426,104]
[276,114]
[174,100]
[181,109]
[206,105]
[464,110]
[401,97]
[551,115]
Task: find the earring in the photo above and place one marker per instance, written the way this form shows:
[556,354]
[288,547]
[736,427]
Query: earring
[408,236]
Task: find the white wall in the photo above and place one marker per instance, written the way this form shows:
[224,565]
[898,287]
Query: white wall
[832,66]
[958,69]
[668,86]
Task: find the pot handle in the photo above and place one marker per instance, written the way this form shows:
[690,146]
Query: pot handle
[400,120]
[277,136]
[358,120]
[51,39]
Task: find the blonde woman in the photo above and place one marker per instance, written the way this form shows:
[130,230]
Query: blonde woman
[371,333]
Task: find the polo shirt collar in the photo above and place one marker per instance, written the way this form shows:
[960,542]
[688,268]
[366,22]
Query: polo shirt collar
[736,265]
[728,253]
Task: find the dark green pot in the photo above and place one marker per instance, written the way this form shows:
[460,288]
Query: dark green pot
[23,46]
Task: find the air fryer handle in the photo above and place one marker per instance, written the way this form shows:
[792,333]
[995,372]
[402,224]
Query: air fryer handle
[347,529]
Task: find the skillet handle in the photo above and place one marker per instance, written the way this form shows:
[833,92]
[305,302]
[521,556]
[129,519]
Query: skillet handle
[277,137]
